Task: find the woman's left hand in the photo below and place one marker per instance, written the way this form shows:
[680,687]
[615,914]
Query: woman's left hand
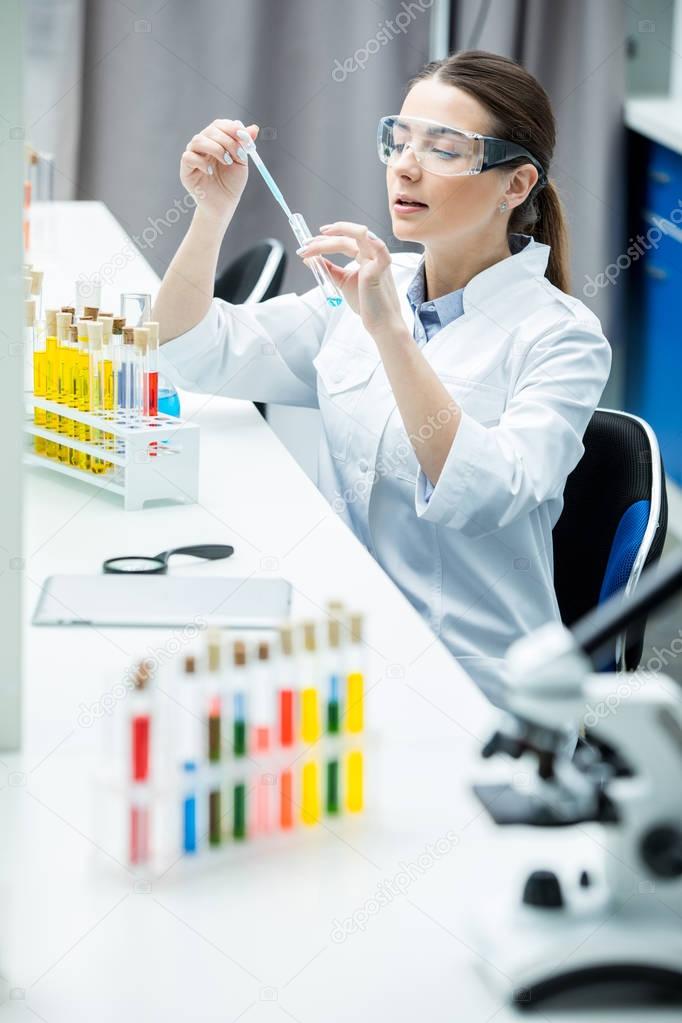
[367,285]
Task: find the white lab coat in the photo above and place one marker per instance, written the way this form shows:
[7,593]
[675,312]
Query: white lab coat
[526,364]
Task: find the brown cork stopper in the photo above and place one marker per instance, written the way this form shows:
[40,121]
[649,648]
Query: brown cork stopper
[103,313]
[36,281]
[90,312]
[118,324]
[286,638]
[71,310]
[128,335]
[263,651]
[334,632]
[214,650]
[142,675]
[190,665]
[356,622]
[309,641]
[51,322]
[29,311]
[73,333]
[239,653]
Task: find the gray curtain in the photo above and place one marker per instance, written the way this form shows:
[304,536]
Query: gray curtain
[577,50]
[312,73]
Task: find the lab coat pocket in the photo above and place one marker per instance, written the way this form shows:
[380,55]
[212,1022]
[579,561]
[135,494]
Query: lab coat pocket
[343,373]
[482,402]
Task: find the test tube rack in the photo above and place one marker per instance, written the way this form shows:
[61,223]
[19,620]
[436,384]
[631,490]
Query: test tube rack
[148,457]
[187,814]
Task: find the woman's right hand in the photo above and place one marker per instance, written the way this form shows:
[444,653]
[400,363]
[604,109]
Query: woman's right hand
[214,167]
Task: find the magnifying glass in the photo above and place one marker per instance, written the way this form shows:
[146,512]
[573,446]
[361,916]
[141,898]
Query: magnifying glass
[158,564]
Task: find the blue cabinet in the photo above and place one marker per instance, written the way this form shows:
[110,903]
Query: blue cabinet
[654,372]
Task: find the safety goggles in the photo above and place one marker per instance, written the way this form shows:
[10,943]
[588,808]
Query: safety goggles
[440,149]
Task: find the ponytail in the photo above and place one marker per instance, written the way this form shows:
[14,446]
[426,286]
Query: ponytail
[543,215]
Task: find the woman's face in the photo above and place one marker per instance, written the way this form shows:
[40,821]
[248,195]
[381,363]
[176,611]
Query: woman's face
[455,205]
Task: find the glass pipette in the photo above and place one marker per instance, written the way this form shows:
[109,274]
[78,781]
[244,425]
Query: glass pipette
[297,224]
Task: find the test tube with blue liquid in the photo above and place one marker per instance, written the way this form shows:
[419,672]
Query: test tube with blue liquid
[297,223]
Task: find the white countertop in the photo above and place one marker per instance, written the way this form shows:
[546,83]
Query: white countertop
[658,118]
[254,938]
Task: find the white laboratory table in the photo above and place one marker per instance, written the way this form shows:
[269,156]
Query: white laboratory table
[259,936]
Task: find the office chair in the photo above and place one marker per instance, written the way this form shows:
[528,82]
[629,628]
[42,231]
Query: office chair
[254,276]
[613,523]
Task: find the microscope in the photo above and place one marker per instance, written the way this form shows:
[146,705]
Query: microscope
[605,756]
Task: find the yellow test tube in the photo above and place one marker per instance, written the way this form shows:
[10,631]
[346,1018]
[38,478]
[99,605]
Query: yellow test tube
[64,380]
[34,339]
[82,379]
[311,731]
[354,781]
[355,682]
[51,377]
[95,396]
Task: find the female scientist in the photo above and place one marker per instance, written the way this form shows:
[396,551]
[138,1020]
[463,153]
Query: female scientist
[455,385]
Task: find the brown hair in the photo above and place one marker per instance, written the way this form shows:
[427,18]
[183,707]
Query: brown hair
[520,111]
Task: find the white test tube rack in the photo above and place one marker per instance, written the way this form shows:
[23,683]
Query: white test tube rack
[153,457]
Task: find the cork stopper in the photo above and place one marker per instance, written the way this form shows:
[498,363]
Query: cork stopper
[263,651]
[128,335]
[107,314]
[118,324]
[90,312]
[36,281]
[190,665]
[95,335]
[334,632]
[153,328]
[286,638]
[69,309]
[356,621]
[63,324]
[29,311]
[142,674]
[239,653]
[51,322]
[141,336]
[214,650]
[73,333]
[309,641]
[107,324]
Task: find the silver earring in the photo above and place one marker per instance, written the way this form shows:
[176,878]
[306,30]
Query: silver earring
[502,207]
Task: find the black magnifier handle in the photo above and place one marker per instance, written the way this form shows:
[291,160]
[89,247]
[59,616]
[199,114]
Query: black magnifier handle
[210,551]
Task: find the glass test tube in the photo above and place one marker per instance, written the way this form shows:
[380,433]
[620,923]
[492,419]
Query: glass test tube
[73,396]
[151,371]
[141,338]
[88,293]
[190,754]
[214,739]
[136,308]
[354,720]
[117,326]
[37,291]
[51,377]
[64,380]
[140,763]
[311,730]
[95,394]
[83,386]
[239,740]
[333,710]
[263,732]
[107,371]
[316,265]
[126,379]
[286,705]
[34,343]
